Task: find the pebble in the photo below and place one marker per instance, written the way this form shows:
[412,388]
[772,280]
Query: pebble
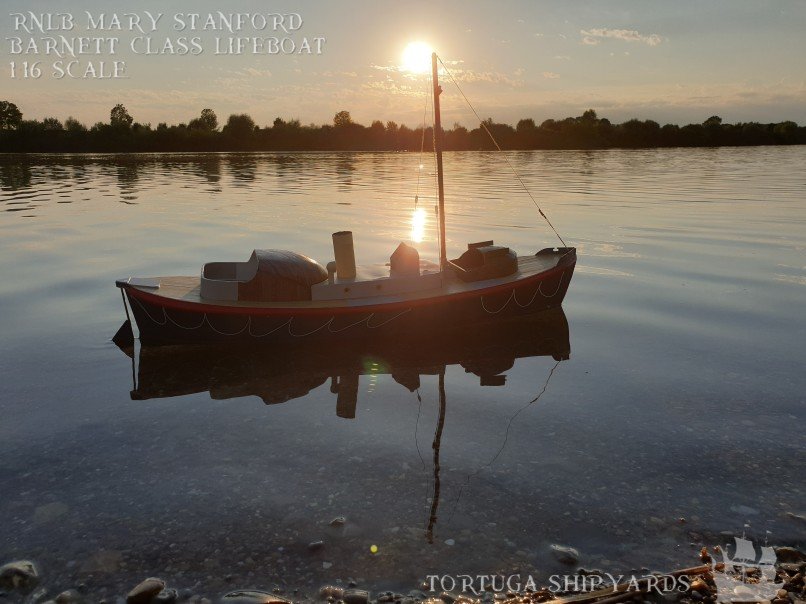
[21,574]
[789,555]
[166,596]
[355,596]
[338,521]
[331,591]
[699,585]
[146,590]
[782,593]
[565,554]
[71,596]
[253,596]
[315,545]
[450,542]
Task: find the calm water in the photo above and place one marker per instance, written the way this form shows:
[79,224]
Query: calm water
[683,396]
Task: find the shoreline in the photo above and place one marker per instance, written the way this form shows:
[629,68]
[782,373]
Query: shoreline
[707,583]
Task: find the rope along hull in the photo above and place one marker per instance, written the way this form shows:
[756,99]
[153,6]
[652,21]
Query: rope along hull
[168,323]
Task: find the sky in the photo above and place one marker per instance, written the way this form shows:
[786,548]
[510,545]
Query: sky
[671,61]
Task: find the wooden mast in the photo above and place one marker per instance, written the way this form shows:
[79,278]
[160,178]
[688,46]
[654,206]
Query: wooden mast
[443,255]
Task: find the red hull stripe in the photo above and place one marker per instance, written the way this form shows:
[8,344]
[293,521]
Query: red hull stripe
[197,307]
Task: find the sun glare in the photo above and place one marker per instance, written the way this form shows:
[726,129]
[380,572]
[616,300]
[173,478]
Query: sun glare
[418,225]
[417,58]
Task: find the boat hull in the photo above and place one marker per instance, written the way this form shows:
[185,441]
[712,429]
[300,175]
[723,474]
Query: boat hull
[162,320]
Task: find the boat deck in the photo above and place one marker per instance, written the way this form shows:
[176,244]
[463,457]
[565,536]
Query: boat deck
[187,289]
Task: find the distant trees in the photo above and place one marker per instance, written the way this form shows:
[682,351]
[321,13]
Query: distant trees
[240,133]
[71,124]
[240,125]
[342,119]
[524,126]
[119,117]
[10,116]
[207,121]
[52,124]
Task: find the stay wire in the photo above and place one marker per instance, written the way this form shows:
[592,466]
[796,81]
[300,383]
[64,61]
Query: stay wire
[422,147]
[495,142]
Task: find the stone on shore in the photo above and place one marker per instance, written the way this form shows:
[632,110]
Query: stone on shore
[331,591]
[19,575]
[565,554]
[789,555]
[71,596]
[355,596]
[145,591]
[253,596]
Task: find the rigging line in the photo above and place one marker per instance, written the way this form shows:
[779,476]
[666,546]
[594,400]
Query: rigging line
[504,444]
[422,146]
[506,159]
[417,446]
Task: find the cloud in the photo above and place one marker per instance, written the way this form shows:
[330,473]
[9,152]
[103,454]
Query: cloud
[251,71]
[337,74]
[492,77]
[594,36]
[550,75]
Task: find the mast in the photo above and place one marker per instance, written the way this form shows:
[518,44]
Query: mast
[443,255]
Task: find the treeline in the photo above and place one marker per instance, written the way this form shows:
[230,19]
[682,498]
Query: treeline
[240,133]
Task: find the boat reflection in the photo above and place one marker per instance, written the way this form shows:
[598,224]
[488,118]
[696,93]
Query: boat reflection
[280,375]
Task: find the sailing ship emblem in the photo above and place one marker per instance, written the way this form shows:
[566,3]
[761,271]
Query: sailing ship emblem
[747,576]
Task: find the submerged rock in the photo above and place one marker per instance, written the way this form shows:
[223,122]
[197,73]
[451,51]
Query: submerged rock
[338,521]
[103,561]
[145,591]
[49,512]
[253,596]
[565,554]
[21,575]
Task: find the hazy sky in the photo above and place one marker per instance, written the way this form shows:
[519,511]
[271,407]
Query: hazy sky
[671,61]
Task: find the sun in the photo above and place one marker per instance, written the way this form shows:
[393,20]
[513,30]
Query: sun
[416,58]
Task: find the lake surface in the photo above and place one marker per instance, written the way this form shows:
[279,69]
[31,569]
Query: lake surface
[677,421]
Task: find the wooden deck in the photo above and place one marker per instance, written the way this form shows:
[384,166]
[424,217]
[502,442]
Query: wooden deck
[187,289]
